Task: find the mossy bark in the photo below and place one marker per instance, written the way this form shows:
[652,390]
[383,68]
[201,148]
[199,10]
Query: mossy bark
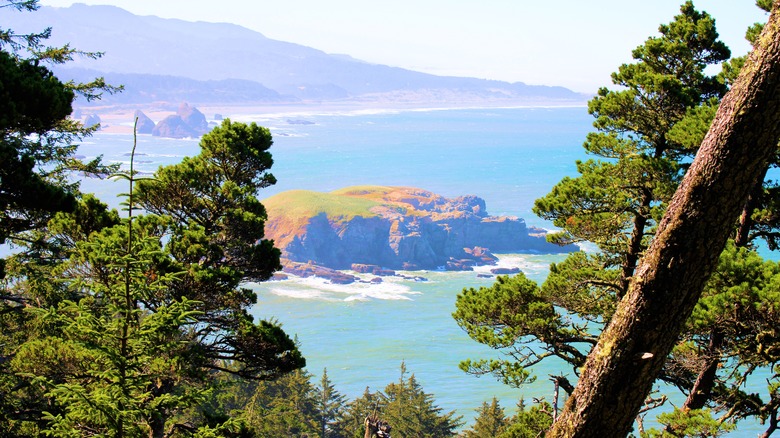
[621,369]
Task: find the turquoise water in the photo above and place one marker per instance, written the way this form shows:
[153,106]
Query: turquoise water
[361,333]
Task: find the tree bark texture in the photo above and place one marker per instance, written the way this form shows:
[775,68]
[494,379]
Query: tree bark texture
[702,388]
[620,371]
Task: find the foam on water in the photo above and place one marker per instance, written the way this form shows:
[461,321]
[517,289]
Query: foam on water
[313,288]
[534,266]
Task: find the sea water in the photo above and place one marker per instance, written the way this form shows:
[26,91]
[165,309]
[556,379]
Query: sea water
[363,332]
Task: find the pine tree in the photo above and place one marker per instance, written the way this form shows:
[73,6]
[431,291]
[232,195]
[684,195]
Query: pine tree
[673,273]
[128,352]
[529,422]
[646,135]
[37,139]
[412,412]
[286,406]
[330,406]
[353,422]
[490,421]
[38,152]
[614,203]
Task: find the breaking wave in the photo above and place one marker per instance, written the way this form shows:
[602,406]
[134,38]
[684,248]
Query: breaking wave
[321,289]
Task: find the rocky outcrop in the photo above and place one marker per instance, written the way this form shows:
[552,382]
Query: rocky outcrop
[144,124]
[313,270]
[372,269]
[193,117]
[395,228]
[505,271]
[173,127]
[187,122]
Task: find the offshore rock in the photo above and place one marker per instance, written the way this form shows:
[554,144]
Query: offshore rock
[145,125]
[174,127]
[505,271]
[312,270]
[187,122]
[193,118]
[370,228]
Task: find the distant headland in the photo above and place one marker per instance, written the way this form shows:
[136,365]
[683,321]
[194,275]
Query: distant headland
[378,229]
[161,62]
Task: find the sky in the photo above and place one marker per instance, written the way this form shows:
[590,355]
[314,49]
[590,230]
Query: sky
[571,43]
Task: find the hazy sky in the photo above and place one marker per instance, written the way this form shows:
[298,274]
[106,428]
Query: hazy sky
[574,43]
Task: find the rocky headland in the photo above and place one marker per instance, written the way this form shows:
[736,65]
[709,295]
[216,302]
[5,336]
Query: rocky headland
[377,230]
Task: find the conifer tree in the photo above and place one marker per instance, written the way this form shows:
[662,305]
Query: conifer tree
[412,412]
[353,423]
[330,406]
[37,139]
[405,406]
[738,147]
[490,421]
[614,203]
[646,135]
[121,310]
[286,406]
[529,422]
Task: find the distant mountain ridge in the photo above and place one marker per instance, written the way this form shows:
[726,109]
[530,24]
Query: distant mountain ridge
[140,50]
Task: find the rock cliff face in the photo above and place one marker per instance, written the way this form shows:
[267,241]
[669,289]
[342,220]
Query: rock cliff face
[395,228]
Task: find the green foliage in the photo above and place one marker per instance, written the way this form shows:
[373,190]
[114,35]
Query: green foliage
[212,201]
[214,226]
[755,30]
[353,422]
[734,330]
[405,406]
[411,411]
[38,154]
[286,407]
[529,423]
[123,350]
[616,199]
[685,424]
[490,421]
[36,137]
[510,316]
[331,406]
[32,102]
[145,314]
[647,132]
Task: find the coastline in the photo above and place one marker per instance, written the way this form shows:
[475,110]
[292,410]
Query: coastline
[119,118]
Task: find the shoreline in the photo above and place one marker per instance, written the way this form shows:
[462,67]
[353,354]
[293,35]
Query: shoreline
[119,118]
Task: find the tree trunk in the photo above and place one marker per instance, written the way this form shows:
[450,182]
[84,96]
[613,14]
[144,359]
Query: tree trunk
[702,388]
[635,245]
[620,371]
[742,237]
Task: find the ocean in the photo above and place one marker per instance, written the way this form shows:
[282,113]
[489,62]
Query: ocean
[363,332]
